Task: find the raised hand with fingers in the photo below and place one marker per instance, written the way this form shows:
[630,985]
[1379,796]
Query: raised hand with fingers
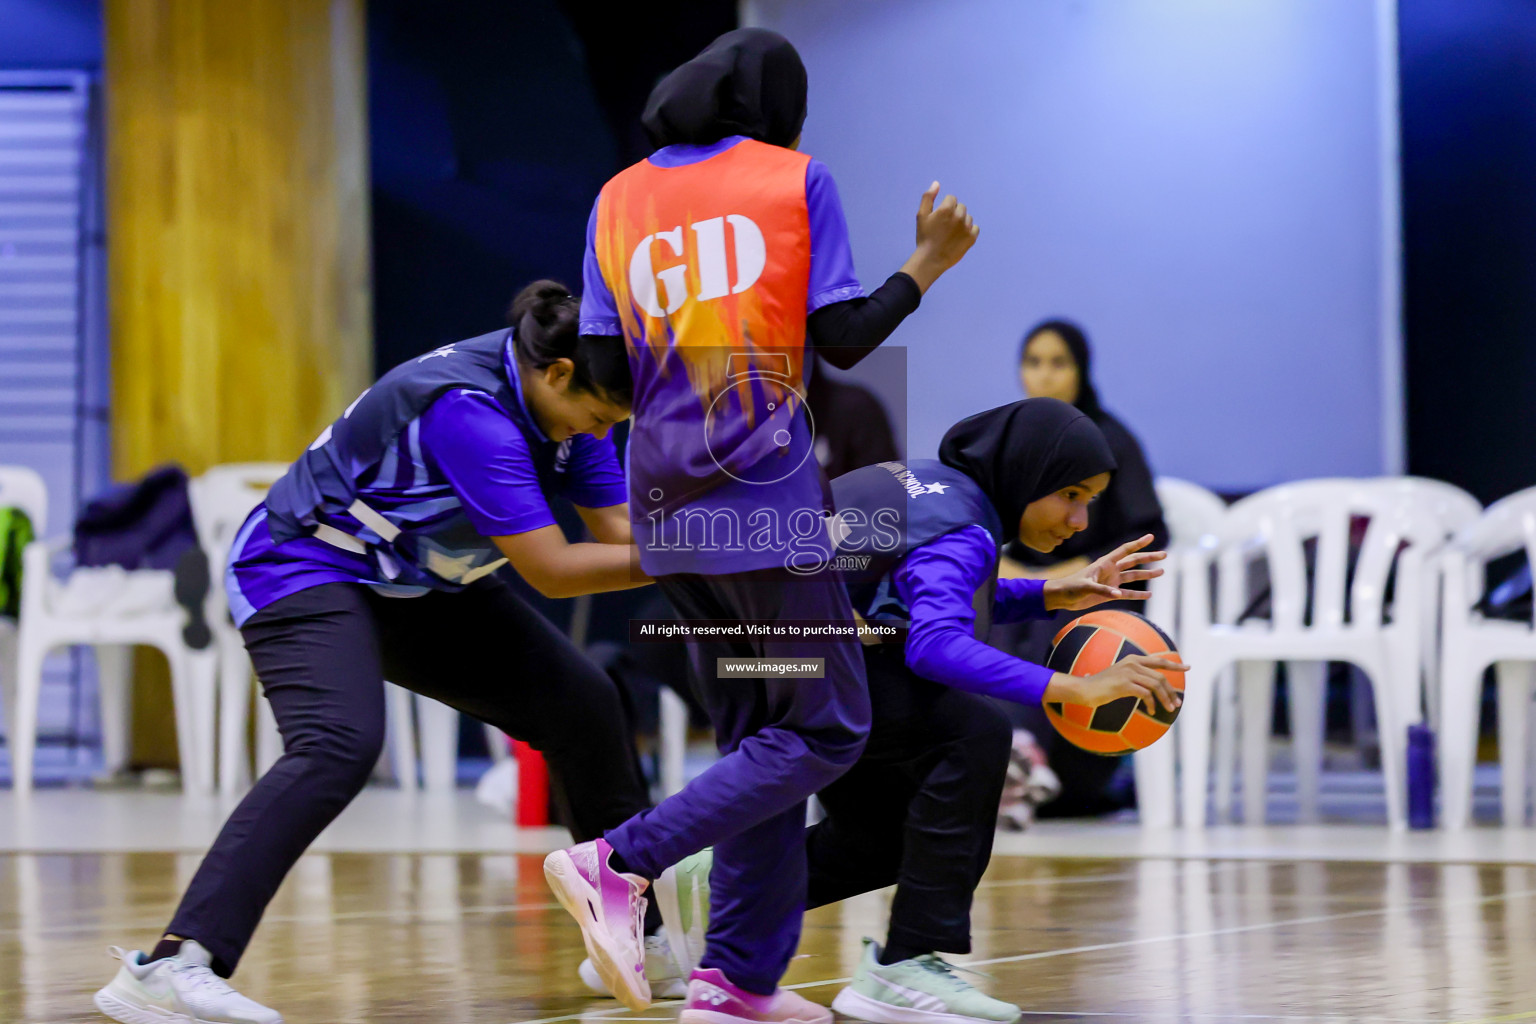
[945,233]
[1105,579]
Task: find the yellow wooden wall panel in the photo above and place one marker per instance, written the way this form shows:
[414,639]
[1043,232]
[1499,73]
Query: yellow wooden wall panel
[238,226]
[237,246]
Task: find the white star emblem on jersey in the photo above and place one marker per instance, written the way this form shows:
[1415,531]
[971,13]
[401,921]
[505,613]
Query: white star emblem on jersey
[935,489]
[449,568]
[446,350]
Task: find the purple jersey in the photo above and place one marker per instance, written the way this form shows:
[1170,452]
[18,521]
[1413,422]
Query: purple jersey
[464,457]
[937,583]
[752,514]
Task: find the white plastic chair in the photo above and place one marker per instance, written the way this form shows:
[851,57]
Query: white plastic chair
[222,498]
[140,610]
[1273,524]
[1445,503]
[672,732]
[1455,510]
[1470,643]
[23,489]
[437,727]
[1191,513]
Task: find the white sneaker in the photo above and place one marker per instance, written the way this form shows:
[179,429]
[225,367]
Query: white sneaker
[682,896]
[179,990]
[661,970]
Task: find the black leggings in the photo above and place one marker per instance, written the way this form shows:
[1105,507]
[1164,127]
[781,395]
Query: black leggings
[322,656]
[919,809]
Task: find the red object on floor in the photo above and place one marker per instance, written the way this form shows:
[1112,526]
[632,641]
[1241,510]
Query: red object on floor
[532,786]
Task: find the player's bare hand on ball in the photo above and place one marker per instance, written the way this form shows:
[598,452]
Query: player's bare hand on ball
[1140,676]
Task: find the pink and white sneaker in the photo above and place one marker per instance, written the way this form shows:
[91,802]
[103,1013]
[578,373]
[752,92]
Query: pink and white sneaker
[608,906]
[712,999]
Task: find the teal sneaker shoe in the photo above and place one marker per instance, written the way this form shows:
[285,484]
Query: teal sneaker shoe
[923,990]
[682,896]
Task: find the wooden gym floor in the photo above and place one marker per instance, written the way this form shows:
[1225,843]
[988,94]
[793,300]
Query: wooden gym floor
[476,938]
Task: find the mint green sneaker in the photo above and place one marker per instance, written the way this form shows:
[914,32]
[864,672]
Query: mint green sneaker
[682,896]
[923,990]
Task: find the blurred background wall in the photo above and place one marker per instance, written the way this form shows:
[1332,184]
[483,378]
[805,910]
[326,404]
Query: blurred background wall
[237,217]
[236,181]
[1198,184]
[53,340]
[1469,215]
[50,34]
[493,125]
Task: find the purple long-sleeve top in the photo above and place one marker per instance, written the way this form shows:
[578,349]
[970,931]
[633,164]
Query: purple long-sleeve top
[937,583]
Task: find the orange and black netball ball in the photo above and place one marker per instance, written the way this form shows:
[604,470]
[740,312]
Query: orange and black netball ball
[1090,644]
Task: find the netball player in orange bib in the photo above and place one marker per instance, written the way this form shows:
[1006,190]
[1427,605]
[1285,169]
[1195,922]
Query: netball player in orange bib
[717,260]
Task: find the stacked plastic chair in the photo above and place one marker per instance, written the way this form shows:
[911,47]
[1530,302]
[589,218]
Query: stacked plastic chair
[1191,512]
[1470,643]
[124,609]
[1455,510]
[221,499]
[1274,524]
[24,489]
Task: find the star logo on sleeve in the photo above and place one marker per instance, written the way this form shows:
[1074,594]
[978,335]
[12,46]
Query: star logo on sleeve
[458,568]
[446,350]
[452,569]
[935,488]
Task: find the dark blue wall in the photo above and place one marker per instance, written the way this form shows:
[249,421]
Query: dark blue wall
[1469,215]
[487,149]
[492,127]
[50,34]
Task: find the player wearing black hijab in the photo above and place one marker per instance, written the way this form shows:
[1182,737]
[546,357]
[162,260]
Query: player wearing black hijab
[919,808]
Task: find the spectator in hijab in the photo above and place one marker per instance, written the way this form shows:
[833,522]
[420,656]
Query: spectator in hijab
[852,428]
[1054,362]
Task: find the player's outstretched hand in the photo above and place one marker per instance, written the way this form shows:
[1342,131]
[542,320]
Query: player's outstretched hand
[1105,579]
[1140,676]
[945,233]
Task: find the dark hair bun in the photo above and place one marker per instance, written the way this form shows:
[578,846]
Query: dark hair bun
[541,298]
[547,322]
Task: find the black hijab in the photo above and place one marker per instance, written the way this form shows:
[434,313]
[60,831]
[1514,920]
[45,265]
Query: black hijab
[747,82]
[1023,452]
[1077,344]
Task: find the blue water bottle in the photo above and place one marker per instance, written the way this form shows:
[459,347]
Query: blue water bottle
[1421,776]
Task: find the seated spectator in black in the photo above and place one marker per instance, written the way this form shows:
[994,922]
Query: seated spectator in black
[852,428]
[1054,363]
